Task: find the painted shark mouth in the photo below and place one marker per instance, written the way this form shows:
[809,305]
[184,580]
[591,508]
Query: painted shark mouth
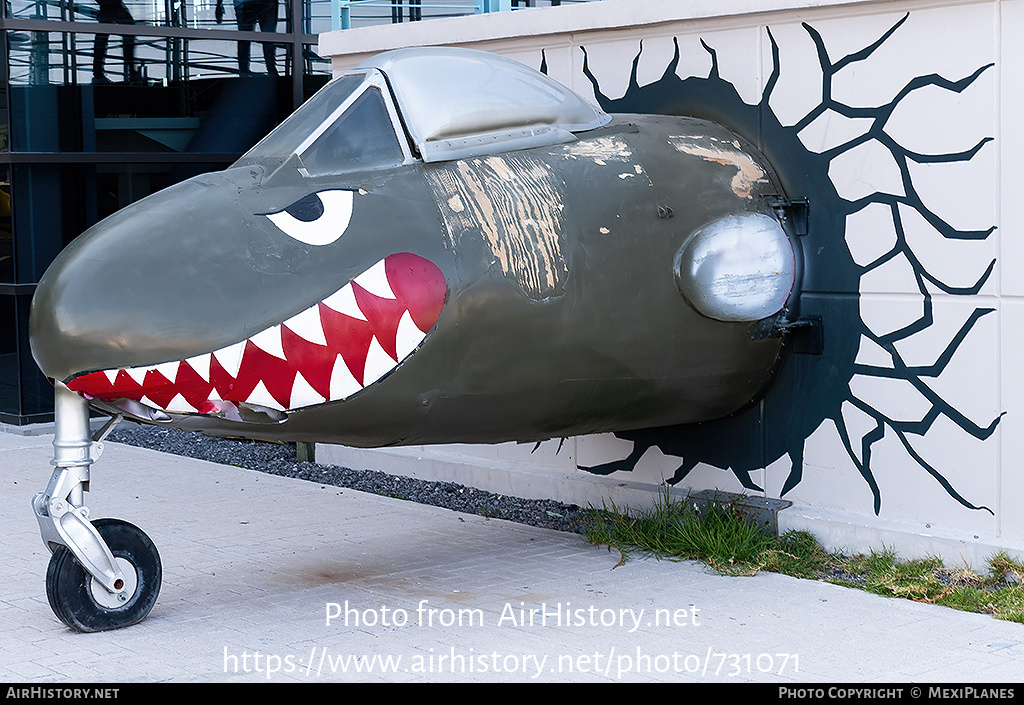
[328,352]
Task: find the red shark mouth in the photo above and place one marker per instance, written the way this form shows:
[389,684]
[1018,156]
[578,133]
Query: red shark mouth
[327,352]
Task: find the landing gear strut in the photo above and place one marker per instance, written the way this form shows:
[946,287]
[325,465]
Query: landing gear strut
[103,574]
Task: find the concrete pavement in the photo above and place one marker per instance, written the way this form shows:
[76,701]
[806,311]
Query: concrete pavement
[283,580]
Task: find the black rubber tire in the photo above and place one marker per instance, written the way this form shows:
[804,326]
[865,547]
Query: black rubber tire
[69,586]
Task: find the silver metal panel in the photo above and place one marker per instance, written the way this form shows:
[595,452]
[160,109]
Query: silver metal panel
[739,268]
[447,95]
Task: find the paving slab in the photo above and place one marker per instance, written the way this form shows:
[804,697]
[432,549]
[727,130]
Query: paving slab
[271,579]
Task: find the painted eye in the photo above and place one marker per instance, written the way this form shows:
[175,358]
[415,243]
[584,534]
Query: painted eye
[317,219]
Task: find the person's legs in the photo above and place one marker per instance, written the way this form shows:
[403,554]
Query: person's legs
[113,12]
[267,19]
[246,19]
[99,57]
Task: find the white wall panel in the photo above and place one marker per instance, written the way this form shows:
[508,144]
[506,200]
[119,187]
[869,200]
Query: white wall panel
[911,112]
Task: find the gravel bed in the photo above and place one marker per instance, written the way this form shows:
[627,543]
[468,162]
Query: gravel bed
[280,459]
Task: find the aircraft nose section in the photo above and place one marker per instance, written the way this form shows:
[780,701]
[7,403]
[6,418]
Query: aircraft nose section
[147,283]
[197,300]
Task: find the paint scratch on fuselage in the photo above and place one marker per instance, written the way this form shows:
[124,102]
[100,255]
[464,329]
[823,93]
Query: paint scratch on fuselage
[608,151]
[601,149]
[723,152]
[514,203]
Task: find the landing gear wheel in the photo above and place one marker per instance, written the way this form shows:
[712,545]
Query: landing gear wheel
[85,605]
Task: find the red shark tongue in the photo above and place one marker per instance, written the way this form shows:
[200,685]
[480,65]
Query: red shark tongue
[419,290]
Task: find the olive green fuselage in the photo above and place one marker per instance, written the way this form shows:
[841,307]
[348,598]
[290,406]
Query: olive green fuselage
[563,314]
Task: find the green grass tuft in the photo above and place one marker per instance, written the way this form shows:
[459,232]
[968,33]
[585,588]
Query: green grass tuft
[721,537]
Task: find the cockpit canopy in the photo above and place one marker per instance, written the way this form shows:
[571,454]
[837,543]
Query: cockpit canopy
[452,104]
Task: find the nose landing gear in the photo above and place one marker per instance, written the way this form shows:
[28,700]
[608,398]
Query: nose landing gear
[84,604]
[103,574]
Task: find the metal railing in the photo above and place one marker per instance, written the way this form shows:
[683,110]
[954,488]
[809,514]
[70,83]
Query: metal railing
[317,15]
[341,10]
[41,57]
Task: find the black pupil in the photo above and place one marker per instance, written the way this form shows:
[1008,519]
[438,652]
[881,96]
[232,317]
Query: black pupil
[306,209]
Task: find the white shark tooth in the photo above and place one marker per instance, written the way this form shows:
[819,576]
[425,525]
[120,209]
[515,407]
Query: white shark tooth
[343,384]
[111,374]
[230,358]
[307,325]
[344,301]
[261,397]
[168,369]
[378,363]
[269,341]
[201,365]
[409,336]
[303,394]
[179,405]
[137,373]
[375,281]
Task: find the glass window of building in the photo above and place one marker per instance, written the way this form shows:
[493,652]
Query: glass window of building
[112,100]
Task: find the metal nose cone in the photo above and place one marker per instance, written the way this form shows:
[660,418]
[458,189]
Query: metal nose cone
[144,285]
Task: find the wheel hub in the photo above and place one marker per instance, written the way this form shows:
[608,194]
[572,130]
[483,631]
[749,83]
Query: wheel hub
[125,592]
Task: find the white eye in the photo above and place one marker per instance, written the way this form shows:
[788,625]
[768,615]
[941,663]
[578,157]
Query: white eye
[317,219]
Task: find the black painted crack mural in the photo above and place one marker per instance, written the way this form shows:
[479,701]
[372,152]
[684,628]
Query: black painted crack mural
[812,389]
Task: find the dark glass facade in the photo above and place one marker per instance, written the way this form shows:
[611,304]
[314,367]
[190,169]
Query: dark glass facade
[104,102]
